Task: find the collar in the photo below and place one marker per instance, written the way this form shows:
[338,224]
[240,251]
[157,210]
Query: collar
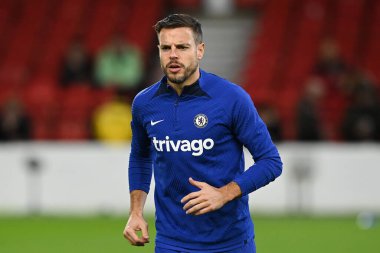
[192,90]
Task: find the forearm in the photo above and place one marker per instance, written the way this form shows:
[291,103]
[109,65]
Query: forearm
[259,175]
[137,202]
[140,173]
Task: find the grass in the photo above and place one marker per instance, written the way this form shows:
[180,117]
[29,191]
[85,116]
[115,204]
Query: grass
[306,235]
[104,234]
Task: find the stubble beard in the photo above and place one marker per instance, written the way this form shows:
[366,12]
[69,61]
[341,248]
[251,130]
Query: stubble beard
[178,78]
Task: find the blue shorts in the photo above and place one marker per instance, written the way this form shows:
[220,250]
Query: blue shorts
[248,247]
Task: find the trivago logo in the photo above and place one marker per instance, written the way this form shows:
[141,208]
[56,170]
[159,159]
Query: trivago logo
[194,146]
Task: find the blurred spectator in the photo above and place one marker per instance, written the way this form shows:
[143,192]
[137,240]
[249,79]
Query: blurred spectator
[353,81]
[119,64]
[308,123]
[330,66]
[77,65]
[329,62]
[111,121]
[271,119]
[14,123]
[362,118]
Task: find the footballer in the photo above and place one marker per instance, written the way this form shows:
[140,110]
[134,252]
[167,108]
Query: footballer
[189,129]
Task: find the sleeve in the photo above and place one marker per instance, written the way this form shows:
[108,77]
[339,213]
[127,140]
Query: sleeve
[252,132]
[140,162]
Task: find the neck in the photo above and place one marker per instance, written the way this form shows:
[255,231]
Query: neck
[178,87]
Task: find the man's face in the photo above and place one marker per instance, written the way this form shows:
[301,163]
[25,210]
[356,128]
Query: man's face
[180,55]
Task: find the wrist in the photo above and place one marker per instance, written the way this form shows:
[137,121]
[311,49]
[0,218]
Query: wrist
[231,191]
[138,198]
[136,213]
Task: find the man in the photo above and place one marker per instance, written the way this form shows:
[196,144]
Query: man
[192,126]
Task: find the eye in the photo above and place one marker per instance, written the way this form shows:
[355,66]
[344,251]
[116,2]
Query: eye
[182,47]
[165,48]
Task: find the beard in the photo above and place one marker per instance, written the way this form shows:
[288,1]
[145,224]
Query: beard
[178,78]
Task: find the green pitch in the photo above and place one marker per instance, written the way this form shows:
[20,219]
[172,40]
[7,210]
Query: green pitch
[104,234]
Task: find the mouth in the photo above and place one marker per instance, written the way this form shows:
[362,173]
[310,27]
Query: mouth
[174,67]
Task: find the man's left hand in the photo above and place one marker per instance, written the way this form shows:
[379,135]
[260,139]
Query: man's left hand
[209,198]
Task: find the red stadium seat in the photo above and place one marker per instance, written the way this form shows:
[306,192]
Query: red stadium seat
[72,130]
[41,98]
[103,95]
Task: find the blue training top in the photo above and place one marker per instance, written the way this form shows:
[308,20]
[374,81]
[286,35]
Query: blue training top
[199,134]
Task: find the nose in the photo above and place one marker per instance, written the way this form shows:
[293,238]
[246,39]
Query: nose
[173,53]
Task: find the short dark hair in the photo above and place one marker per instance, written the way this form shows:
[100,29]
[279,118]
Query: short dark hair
[181,20]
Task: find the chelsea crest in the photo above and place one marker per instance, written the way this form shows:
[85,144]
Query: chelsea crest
[200,120]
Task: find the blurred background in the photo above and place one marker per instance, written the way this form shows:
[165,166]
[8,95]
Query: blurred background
[69,71]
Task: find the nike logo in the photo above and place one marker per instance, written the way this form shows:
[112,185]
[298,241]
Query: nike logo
[152,123]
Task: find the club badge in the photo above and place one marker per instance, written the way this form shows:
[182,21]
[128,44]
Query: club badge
[200,120]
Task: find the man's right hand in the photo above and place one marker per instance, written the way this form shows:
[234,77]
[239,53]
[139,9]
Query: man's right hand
[136,223]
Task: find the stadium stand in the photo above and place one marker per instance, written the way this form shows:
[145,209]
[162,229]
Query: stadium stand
[279,58]
[36,35]
[282,55]
[371,48]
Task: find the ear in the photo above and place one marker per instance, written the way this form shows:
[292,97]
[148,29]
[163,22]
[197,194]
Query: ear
[200,50]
